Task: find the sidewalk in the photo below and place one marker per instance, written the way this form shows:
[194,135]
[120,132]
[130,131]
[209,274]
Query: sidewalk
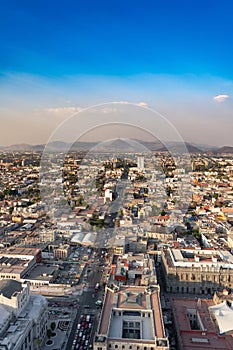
[62,330]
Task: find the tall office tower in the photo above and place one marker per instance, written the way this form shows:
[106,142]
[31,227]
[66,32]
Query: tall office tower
[140,162]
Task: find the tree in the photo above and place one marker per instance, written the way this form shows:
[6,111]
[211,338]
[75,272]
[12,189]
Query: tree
[120,212]
[11,209]
[53,326]
[169,191]
[154,209]
[6,192]
[197,234]
[38,342]
[49,333]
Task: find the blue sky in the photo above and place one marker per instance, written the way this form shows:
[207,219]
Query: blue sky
[174,55]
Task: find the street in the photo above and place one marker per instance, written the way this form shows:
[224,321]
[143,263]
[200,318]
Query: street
[87,304]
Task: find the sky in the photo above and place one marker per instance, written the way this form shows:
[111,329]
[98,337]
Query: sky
[58,57]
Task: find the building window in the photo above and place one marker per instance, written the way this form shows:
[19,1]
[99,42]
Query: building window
[116,346]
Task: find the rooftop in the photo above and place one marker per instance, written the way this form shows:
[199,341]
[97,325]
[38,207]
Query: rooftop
[132,313]
[189,257]
[199,332]
[9,287]
[223,313]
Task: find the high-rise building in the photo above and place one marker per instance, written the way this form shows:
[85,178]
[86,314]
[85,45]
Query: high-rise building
[140,162]
[23,321]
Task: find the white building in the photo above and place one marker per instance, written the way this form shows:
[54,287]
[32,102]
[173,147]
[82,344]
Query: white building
[223,314]
[108,195]
[23,321]
[140,162]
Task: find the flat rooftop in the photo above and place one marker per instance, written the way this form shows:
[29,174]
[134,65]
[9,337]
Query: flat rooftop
[41,273]
[132,313]
[9,287]
[12,265]
[20,325]
[206,335]
[188,257]
[20,251]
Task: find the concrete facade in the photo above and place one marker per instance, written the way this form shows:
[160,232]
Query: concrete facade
[204,272]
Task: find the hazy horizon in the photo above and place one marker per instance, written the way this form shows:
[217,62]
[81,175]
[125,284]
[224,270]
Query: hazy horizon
[86,54]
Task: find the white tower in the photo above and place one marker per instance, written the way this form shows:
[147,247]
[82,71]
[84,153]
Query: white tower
[140,162]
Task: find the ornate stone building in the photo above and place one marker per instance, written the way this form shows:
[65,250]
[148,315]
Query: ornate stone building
[197,271]
[131,319]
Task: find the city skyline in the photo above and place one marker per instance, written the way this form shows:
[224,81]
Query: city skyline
[174,57]
[116,160]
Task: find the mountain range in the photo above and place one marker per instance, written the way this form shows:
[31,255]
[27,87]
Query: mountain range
[120,145]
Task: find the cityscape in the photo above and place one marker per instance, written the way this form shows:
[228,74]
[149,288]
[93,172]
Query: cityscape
[116,186]
[143,274]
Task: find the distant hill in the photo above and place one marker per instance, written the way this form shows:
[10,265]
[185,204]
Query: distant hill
[203,147]
[177,147]
[53,146]
[121,145]
[22,147]
[115,145]
[224,149]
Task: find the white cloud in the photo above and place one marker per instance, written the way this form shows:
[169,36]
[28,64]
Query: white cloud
[142,104]
[108,110]
[61,112]
[121,102]
[220,98]
[64,110]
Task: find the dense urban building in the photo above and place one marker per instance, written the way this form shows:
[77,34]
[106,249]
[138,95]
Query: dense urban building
[16,263]
[196,325]
[126,231]
[24,316]
[197,271]
[134,269]
[131,318]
